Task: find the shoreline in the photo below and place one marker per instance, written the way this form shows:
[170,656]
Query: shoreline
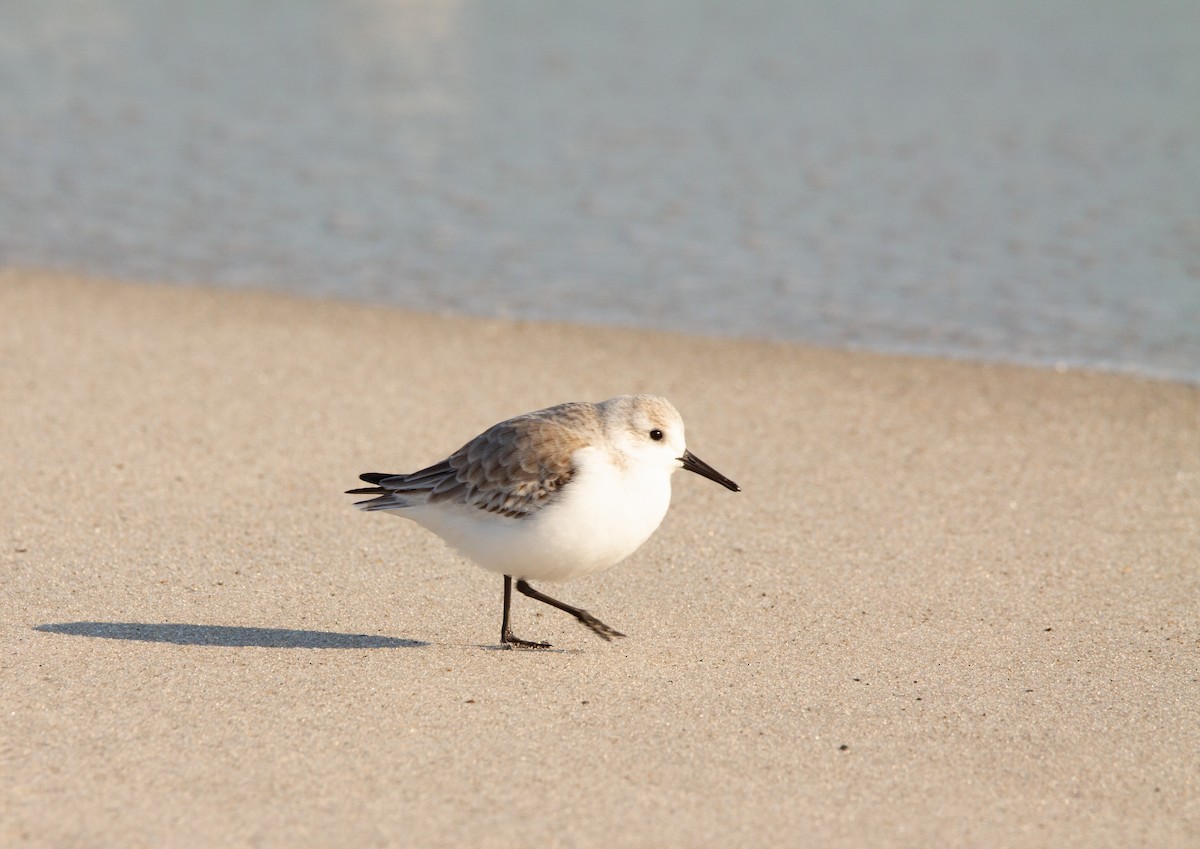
[915,350]
[954,602]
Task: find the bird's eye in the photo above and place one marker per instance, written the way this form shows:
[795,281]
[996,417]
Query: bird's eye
[656,434]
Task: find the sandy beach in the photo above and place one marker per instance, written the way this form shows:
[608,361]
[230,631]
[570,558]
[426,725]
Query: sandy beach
[954,605]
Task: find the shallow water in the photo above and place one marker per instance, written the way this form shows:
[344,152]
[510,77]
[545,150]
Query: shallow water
[1015,181]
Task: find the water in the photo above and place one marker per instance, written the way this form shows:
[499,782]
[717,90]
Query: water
[1013,181]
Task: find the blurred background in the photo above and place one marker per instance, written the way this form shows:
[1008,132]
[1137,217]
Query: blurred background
[1014,181]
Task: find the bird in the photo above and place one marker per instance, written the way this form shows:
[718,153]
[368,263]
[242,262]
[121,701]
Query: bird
[551,495]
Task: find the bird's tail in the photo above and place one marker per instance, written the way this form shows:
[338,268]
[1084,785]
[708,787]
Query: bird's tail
[387,500]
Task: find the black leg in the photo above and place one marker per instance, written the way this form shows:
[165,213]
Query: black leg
[506,635]
[603,631]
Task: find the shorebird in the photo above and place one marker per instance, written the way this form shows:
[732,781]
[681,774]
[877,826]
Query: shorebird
[550,495]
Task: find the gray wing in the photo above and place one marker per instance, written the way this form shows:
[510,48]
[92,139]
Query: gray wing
[512,468]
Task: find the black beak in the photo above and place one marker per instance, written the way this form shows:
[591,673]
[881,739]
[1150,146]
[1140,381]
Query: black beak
[694,464]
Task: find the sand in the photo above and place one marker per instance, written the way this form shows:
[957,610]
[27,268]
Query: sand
[955,604]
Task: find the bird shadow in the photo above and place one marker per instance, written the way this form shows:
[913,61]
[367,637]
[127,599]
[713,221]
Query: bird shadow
[225,635]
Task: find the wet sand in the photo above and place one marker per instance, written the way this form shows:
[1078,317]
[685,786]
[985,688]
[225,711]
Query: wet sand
[955,604]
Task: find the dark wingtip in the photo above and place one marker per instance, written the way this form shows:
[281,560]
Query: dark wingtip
[371,477]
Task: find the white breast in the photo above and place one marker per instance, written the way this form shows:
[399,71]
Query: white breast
[604,514]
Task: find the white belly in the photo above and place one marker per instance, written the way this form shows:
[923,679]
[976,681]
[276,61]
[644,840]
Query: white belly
[603,516]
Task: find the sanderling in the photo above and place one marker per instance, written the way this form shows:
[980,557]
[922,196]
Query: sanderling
[550,495]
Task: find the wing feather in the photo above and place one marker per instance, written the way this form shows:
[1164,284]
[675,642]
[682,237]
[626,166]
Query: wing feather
[512,468]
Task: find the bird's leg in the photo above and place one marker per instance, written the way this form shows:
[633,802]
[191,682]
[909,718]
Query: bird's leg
[603,631]
[506,635]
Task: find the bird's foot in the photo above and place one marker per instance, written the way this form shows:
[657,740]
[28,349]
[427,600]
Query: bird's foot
[604,632]
[511,642]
